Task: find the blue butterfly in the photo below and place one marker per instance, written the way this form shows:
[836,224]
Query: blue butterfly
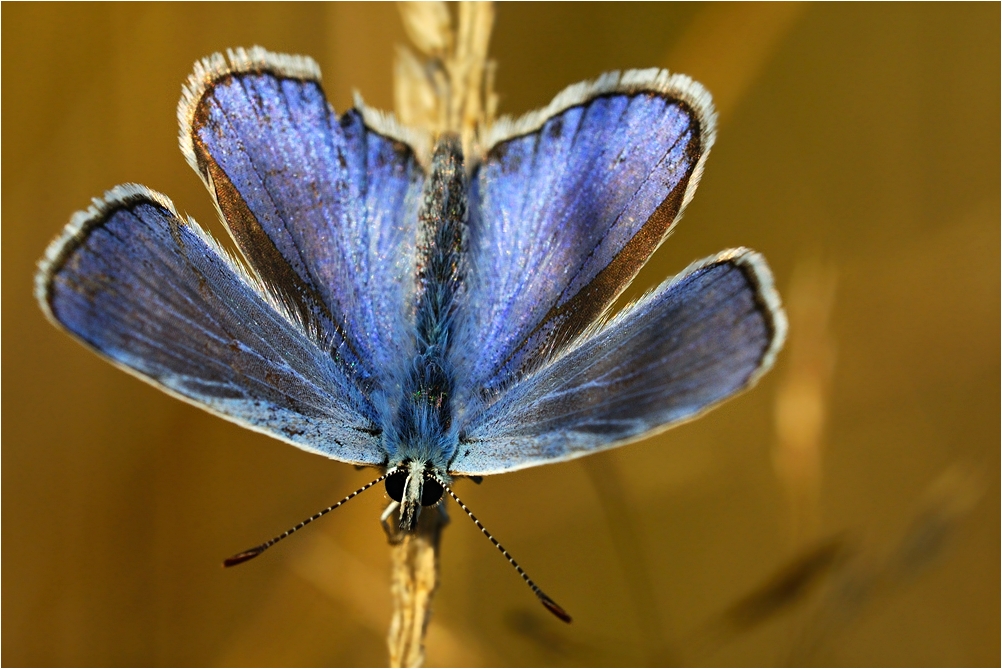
[406,306]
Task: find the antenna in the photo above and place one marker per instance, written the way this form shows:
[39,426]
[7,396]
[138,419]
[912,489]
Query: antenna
[550,605]
[257,550]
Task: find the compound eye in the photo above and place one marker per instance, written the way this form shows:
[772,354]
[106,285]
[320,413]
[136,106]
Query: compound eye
[395,485]
[431,492]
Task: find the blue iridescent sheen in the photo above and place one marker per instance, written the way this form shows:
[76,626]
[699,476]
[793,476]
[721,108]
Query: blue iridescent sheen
[337,201]
[155,296]
[680,350]
[551,210]
[429,312]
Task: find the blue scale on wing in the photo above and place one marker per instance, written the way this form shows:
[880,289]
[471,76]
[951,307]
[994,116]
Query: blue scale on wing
[695,341]
[322,207]
[155,295]
[561,220]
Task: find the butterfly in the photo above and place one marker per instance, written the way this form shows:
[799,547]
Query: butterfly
[402,305]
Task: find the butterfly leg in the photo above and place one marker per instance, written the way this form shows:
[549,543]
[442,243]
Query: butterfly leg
[393,532]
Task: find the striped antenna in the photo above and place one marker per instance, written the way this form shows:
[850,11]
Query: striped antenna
[257,550]
[550,605]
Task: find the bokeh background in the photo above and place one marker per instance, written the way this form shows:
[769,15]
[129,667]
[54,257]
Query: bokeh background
[845,511]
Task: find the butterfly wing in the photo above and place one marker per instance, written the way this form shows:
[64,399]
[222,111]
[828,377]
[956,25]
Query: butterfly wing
[156,296]
[566,207]
[323,208]
[696,340]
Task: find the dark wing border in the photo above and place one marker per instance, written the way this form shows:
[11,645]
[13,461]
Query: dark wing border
[75,234]
[759,276]
[256,59]
[680,87]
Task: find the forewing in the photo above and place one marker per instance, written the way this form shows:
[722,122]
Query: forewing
[157,296]
[696,340]
[322,207]
[567,205]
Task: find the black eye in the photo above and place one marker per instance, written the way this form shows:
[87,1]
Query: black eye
[431,492]
[395,485]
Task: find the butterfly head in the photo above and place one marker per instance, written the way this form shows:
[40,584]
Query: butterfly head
[414,484]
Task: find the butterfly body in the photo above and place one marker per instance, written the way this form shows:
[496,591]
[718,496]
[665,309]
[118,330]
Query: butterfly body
[402,305]
[421,438]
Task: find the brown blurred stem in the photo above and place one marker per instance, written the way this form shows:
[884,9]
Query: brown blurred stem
[414,560]
[445,87]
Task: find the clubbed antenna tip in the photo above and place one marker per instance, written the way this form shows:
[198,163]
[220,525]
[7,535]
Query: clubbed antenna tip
[252,553]
[553,608]
[550,605]
[240,558]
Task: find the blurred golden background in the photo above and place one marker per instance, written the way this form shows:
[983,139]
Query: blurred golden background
[844,512]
